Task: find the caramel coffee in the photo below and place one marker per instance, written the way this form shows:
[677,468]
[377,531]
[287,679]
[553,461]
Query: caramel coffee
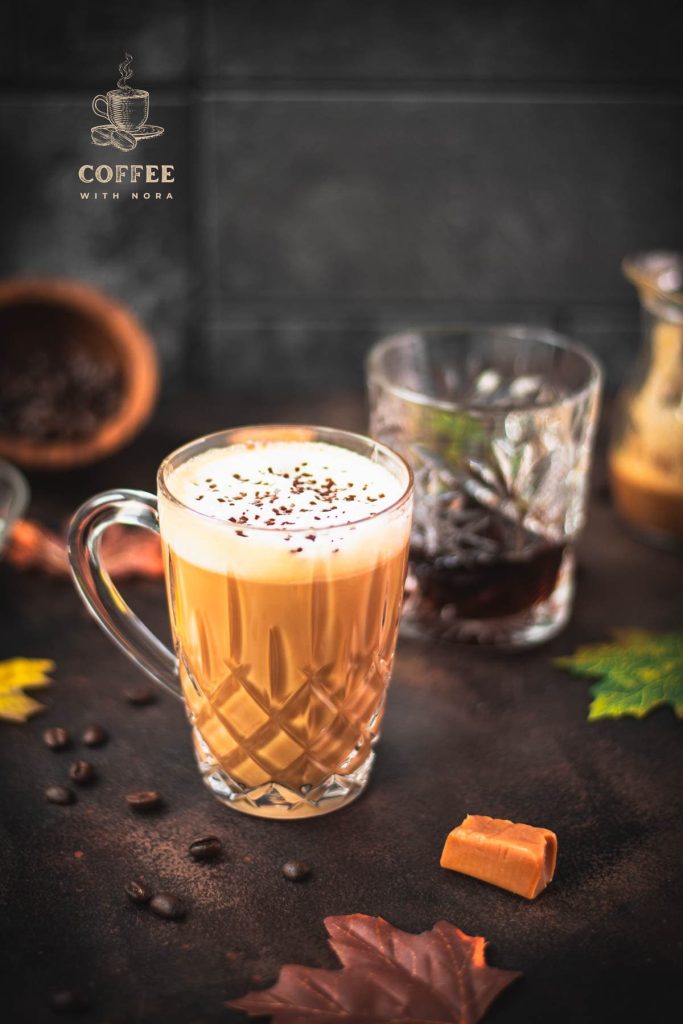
[285,553]
[285,564]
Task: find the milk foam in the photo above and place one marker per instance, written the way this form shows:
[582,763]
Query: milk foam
[283,510]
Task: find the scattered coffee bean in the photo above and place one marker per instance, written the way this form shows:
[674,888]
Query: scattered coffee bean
[138,892]
[296,870]
[168,906]
[140,695]
[56,738]
[234,955]
[206,848]
[94,736]
[144,800]
[59,795]
[69,1001]
[81,772]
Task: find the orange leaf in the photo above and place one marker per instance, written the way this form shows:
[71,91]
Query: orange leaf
[388,977]
[126,552]
[31,546]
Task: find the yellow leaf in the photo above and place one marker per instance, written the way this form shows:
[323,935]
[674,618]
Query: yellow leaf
[16,675]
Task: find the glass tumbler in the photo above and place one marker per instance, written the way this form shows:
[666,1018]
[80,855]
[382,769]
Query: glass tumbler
[14,495]
[497,423]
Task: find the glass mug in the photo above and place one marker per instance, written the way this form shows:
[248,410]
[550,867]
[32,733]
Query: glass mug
[497,423]
[284,634]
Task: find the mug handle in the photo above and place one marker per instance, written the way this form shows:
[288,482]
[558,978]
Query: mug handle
[96,109]
[101,597]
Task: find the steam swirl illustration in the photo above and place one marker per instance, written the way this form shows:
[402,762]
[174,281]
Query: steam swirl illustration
[126,72]
[125,111]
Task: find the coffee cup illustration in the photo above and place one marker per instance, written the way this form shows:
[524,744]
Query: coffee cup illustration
[126,111]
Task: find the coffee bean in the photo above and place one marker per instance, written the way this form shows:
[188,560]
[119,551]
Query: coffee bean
[138,892]
[69,1001]
[168,906]
[81,772]
[56,738]
[206,848]
[296,870]
[123,140]
[144,800]
[140,695]
[60,795]
[94,736]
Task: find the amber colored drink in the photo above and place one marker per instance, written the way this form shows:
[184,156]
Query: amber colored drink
[286,681]
[648,496]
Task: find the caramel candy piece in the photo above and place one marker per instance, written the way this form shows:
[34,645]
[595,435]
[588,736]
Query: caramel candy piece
[520,858]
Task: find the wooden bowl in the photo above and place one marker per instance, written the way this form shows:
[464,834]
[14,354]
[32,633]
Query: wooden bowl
[49,311]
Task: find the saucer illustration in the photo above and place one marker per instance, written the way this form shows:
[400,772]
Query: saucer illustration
[147,131]
[125,111]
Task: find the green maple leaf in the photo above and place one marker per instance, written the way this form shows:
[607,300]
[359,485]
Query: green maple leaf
[640,671]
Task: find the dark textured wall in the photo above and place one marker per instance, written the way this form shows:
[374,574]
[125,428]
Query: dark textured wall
[347,167]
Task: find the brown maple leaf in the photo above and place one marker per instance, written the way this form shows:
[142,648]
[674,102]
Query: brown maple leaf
[126,552]
[388,977]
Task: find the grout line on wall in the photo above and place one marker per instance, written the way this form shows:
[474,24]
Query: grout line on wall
[197,165]
[269,305]
[511,96]
[349,93]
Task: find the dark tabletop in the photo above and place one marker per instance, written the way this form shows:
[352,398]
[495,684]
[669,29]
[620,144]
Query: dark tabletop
[465,731]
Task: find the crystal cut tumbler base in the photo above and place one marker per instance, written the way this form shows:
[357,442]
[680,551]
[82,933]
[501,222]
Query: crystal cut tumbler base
[275,800]
[534,626]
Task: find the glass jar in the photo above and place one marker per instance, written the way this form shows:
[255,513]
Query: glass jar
[646,452]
